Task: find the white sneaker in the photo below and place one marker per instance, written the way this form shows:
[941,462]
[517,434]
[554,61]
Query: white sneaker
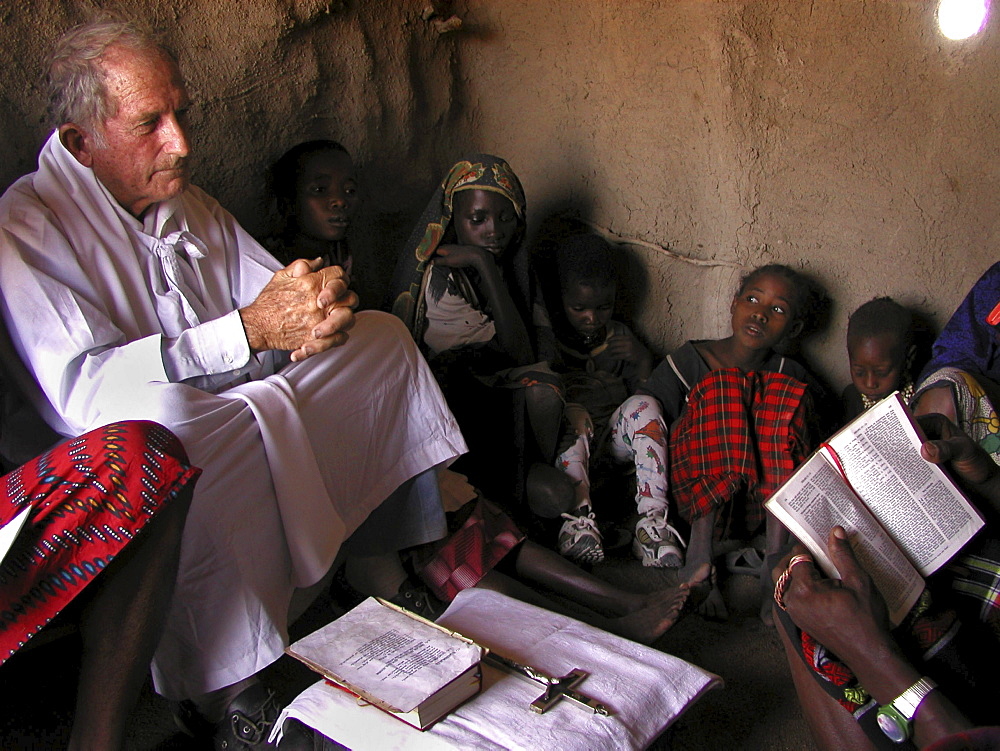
[580,540]
[656,543]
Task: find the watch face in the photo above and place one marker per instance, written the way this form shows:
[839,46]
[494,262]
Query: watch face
[891,727]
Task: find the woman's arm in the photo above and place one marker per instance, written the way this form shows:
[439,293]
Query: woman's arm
[512,335]
[849,618]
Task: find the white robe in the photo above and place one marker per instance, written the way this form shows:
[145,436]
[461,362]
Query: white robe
[294,458]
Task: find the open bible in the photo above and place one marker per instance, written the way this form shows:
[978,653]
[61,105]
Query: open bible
[395,660]
[904,516]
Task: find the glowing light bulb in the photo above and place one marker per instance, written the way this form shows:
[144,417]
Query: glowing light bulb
[960,19]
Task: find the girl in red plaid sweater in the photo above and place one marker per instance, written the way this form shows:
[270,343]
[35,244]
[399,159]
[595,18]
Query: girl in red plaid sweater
[737,416]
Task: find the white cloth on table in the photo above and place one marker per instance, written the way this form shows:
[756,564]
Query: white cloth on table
[646,689]
[295,456]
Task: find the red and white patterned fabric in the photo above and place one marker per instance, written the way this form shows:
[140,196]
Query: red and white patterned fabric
[90,496]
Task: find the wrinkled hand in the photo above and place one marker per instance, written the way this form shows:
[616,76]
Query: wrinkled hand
[460,256]
[303,309]
[847,616]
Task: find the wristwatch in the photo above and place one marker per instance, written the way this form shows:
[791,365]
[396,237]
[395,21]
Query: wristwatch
[896,718]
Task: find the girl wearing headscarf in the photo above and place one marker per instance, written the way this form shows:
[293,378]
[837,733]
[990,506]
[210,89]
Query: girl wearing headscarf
[457,290]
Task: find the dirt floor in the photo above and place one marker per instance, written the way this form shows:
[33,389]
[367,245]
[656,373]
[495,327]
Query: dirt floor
[755,710]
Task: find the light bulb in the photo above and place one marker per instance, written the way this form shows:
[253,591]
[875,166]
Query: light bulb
[960,19]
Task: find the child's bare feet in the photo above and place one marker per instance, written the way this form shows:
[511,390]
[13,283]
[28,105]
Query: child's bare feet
[650,623]
[660,609]
[710,605]
[714,607]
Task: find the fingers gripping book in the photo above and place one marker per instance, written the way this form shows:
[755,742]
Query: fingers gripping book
[904,516]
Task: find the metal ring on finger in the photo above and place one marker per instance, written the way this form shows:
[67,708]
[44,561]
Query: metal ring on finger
[786,576]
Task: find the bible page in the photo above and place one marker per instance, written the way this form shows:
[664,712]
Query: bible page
[915,501]
[815,500]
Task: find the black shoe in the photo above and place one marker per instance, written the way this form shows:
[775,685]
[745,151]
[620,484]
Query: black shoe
[247,724]
[417,599]
[248,721]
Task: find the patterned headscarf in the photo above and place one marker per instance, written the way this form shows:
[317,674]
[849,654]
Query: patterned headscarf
[478,172]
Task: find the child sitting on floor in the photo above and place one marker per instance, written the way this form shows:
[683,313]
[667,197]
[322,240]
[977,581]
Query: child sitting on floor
[880,349]
[600,363]
[455,287]
[317,195]
[737,416]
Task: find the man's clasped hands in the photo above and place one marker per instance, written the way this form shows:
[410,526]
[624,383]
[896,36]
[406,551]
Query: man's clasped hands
[304,309]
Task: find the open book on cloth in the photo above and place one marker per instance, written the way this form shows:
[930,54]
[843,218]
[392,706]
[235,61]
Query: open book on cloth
[904,517]
[646,689]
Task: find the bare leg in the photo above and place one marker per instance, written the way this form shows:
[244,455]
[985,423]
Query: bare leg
[121,627]
[549,491]
[545,410]
[376,575]
[551,570]
[831,726]
[699,553]
[641,617]
[644,626]
[777,537]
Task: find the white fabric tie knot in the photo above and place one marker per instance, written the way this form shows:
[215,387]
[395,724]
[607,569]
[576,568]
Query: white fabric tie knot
[181,240]
[166,249]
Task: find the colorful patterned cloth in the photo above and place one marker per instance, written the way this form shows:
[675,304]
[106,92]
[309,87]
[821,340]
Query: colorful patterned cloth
[740,436]
[682,369]
[968,342]
[974,578]
[973,405]
[966,354]
[90,497]
[472,551]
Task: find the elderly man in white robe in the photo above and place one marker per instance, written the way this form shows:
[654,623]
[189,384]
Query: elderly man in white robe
[129,293]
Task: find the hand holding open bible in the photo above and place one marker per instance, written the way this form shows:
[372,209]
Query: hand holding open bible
[904,516]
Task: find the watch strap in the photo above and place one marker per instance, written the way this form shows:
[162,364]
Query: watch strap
[908,701]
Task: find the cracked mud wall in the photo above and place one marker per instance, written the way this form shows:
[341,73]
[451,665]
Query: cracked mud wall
[845,138]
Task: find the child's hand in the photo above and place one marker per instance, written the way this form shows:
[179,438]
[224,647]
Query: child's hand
[627,347]
[579,418]
[460,256]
